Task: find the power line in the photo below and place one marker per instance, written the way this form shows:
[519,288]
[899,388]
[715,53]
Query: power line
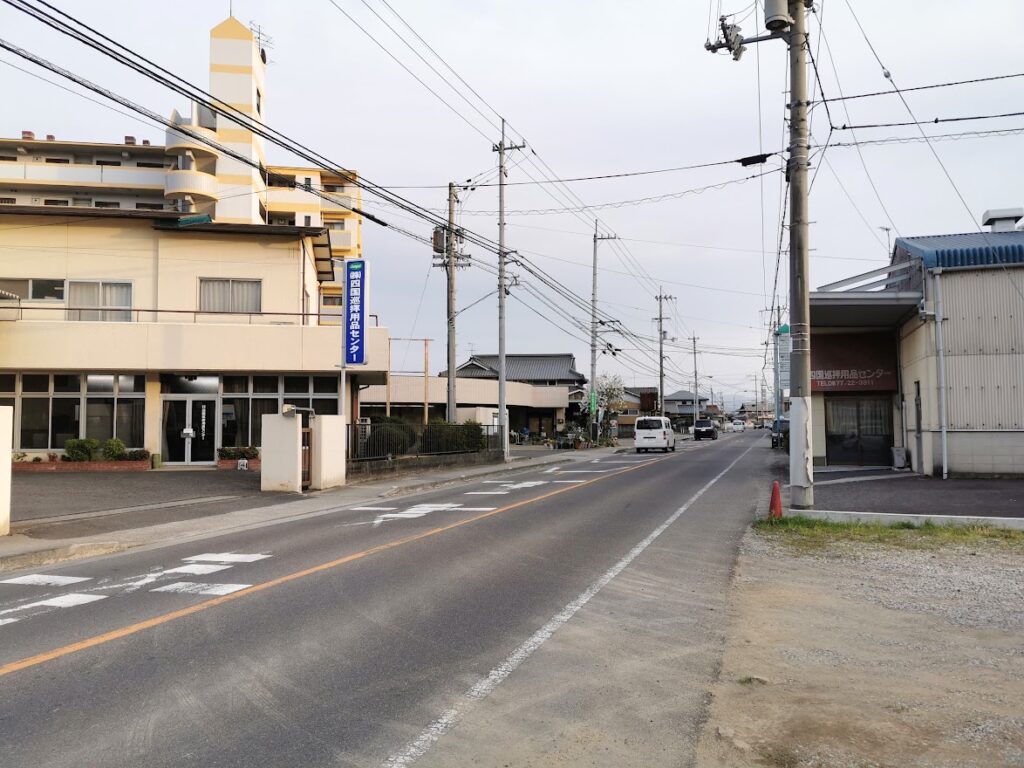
[924,87]
[934,121]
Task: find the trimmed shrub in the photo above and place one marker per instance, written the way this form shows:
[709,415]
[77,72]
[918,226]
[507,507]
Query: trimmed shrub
[114,450]
[472,436]
[397,423]
[232,454]
[389,439]
[80,450]
[138,454]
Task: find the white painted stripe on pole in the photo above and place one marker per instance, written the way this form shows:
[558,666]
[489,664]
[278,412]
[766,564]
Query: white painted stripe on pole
[46,580]
[450,717]
[198,569]
[225,557]
[198,588]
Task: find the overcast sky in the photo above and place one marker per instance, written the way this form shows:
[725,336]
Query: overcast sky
[595,88]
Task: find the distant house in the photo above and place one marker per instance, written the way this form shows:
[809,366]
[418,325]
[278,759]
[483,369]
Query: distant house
[544,370]
[633,404]
[679,407]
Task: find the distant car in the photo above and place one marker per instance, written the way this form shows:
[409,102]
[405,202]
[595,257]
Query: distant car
[705,428]
[738,425]
[654,432]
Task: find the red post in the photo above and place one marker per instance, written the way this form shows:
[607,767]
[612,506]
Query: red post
[775,507]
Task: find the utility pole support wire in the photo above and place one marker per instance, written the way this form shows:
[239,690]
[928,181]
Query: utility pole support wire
[592,405]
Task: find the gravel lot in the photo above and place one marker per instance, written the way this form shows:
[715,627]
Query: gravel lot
[865,654]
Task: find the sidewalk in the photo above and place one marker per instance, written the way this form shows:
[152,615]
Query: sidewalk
[99,522]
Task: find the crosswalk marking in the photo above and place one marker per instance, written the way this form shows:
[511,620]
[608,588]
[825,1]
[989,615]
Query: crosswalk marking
[198,588]
[69,600]
[45,580]
[196,569]
[225,557]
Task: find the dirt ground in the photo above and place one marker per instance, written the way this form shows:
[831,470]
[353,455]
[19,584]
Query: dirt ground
[867,655]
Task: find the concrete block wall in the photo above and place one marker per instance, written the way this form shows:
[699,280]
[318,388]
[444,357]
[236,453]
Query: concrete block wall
[985,453]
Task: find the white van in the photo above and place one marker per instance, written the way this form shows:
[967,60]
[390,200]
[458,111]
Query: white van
[654,432]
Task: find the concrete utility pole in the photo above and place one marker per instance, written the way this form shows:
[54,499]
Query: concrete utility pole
[450,269]
[661,349]
[696,397]
[593,336]
[502,291]
[785,19]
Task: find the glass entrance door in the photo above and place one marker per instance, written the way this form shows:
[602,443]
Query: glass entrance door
[858,430]
[189,431]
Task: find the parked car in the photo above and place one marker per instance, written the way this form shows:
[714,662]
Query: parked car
[705,428]
[780,427]
[654,432]
[738,425]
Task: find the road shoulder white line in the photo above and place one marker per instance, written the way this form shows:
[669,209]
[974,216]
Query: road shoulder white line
[450,717]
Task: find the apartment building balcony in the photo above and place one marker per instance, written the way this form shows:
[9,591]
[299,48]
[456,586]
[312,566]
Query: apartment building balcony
[341,241]
[57,176]
[336,202]
[177,143]
[191,183]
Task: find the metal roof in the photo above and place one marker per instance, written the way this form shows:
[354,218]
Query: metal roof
[973,249]
[531,368]
[683,394]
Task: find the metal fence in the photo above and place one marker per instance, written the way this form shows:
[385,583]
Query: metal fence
[392,440]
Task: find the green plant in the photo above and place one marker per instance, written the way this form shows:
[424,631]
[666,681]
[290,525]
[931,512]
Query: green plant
[114,450]
[137,454]
[388,440]
[232,453]
[80,450]
[397,423]
[37,459]
[472,436]
[19,456]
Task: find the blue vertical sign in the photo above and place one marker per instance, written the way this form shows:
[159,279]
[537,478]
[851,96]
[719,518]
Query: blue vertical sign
[355,312]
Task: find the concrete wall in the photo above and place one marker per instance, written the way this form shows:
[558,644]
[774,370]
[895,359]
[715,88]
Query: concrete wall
[6,437]
[468,392]
[327,463]
[281,454]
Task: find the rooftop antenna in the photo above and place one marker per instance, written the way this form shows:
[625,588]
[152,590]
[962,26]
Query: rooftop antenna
[265,40]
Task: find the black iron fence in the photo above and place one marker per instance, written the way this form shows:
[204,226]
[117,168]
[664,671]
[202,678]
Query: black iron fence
[393,440]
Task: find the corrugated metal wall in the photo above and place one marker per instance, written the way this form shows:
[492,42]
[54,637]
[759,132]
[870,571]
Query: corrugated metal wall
[984,341]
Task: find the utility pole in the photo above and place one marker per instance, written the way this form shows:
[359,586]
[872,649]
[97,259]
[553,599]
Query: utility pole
[785,20]
[502,291]
[593,336]
[661,349]
[450,269]
[696,397]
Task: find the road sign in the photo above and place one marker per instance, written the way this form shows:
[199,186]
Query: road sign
[355,312]
[785,348]
[593,401]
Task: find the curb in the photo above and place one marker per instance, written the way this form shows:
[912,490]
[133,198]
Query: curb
[61,554]
[837,516]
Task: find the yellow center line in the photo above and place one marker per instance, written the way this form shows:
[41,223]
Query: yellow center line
[156,621]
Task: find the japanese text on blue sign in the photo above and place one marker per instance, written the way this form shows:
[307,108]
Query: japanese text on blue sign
[355,313]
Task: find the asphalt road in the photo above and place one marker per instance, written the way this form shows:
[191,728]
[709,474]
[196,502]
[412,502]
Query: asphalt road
[351,638]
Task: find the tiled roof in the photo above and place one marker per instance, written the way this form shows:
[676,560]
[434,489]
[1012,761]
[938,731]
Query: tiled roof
[529,368]
[682,394]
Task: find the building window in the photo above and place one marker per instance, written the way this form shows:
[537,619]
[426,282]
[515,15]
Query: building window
[108,162]
[332,300]
[8,201]
[60,160]
[56,202]
[218,295]
[149,206]
[259,102]
[307,184]
[106,204]
[148,164]
[8,159]
[339,225]
[307,220]
[34,288]
[99,300]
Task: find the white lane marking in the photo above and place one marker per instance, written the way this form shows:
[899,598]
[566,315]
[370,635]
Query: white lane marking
[553,469]
[225,557]
[585,471]
[569,481]
[450,717]
[486,493]
[374,509]
[198,588]
[196,569]
[46,580]
[69,600]
[419,510]
[7,621]
[525,484]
